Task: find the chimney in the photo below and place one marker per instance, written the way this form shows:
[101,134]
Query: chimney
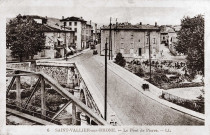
[46,17]
[81,17]
[155,24]
[140,23]
[62,17]
[90,22]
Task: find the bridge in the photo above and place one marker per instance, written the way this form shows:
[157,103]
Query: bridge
[35,102]
[83,77]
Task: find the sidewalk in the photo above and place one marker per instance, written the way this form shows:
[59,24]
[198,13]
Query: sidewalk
[153,93]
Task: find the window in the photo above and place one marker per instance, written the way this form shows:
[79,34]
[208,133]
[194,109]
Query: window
[153,40]
[140,52]
[163,38]
[122,50]
[139,40]
[58,35]
[147,40]
[69,23]
[75,38]
[75,29]
[64,23]
[122,45]
[131,36]
[131,51]
[75,23]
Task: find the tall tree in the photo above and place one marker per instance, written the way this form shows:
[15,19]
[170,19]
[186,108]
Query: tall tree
[191,43]
[24,37]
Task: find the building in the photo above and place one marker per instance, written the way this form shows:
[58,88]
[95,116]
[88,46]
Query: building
[78,25]
[57,39]
[94,32]
[132,40]
[89,36]
[98,35]
[168,36]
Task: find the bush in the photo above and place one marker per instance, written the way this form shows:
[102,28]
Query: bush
[120,60]
[196,105]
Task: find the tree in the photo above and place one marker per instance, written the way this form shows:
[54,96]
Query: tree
[191,43]
[24,37]
[120,60]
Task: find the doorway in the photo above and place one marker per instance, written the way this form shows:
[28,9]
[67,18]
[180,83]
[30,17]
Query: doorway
[140,53]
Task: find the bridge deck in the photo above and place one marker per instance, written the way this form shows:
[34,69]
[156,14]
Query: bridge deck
[29,117]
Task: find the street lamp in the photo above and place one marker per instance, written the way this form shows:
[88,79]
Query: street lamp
[105,95]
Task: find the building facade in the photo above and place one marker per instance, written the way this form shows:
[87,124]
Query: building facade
[89,37]
[56,42]
[78,25]
[132,40]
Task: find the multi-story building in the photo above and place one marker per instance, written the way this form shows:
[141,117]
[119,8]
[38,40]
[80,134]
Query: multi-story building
[98,36]
[78,25]
[89,37]
[132,40]
[56,41]
[94,32]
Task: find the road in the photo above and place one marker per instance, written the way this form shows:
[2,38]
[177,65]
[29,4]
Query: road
[131,106]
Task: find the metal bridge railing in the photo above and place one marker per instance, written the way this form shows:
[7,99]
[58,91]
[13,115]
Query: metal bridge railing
[76,103]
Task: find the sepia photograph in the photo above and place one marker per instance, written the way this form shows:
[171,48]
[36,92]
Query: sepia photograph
[104,63]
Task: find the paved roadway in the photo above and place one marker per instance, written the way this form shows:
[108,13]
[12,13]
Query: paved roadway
[131,106]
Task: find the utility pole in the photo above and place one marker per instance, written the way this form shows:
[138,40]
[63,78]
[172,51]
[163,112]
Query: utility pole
[110,38]
[65,48]
[105,99]
[149,57]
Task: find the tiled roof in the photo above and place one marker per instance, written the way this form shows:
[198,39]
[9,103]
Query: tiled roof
[131,27]
[73,19]
[47,28]
[54,22]
[35,17]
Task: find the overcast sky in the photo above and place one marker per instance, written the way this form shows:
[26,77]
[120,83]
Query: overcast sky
[99,11]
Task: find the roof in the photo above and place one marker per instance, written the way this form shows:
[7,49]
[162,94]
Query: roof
[166,29]
[73,19]
[129,26]
[54,22]
[35,17]
[47,28]
[177,28]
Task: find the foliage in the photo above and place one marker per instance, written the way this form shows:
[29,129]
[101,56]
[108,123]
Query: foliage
[195,105]
[191,42]
[120,60]
[24,37]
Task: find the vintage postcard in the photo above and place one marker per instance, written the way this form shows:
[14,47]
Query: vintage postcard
[125,67]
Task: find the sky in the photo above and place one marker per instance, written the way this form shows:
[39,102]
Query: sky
[99,11]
